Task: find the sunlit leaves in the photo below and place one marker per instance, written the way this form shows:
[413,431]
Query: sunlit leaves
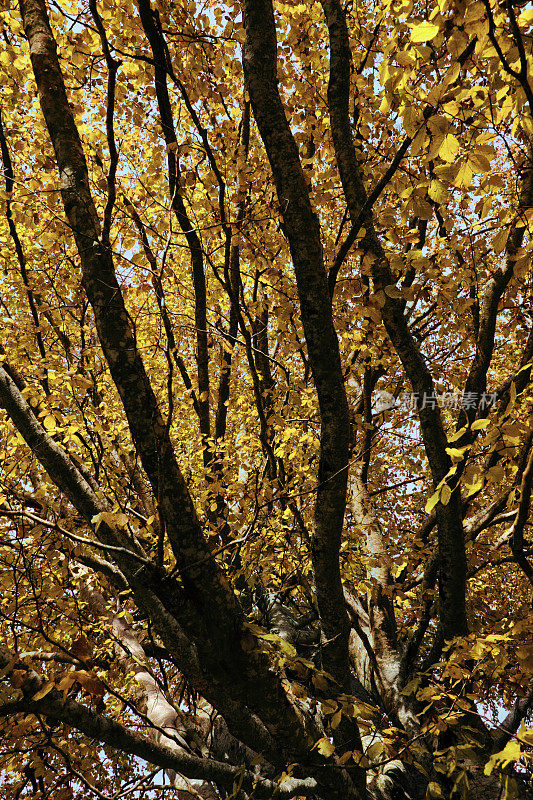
[424,32]
[445,217]
[325,747]
[449,148]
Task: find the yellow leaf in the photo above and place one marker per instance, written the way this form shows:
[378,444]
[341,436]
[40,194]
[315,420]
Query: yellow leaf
[375,750]
[432,502]
[434,790]
[380,298]
[385,105]
[457,434]
[511,752]
[335,720]
[424,32]
[411,687]
[393,291]
[410,120]
[405,59]
[500,240]
[449,148]
[364,711]
[48,686]
[49,422]
[479,424]
[437,191]
[97,519]
[457,452]
[479,162]
[526,17]
[496,473]
[445,495]
[464,175]
[476,485]
[325,747]
[422,209]
[66,682]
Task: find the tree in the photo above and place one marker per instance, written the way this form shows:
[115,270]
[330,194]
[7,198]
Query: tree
[266,360]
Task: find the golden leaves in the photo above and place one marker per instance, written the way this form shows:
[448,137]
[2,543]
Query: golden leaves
[49,422]
[87,679]
[44,690]
[445,495]
[432,502]
[424,32]
[449,178]
[476,485]
[500,240]
[393,291]
[511,752]
[480,424]
[437,191]
[325,747]
[434,790]
[449,148]
[526,17]
[110,518]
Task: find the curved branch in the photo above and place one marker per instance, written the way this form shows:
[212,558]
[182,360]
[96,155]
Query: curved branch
[301,227]
[62,709]
[517,529]
[452,582]
[154,34]
[476,381]
[512,721]
[206,585]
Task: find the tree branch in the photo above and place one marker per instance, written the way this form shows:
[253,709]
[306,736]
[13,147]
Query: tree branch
[512,721]
[112,69]
[452,583]
[301,227]
[156,39]
[62,709]
[517,529]
[476,381]
[21,258]
[205,581]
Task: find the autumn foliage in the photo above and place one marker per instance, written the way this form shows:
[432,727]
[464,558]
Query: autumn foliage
[266,451]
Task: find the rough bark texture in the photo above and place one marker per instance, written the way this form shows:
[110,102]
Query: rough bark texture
[288,694]
[452,578]
[303,233]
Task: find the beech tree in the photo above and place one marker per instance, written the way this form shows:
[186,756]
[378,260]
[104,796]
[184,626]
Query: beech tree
[266,351]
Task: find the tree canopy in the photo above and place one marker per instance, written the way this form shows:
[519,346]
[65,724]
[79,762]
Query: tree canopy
[266,450]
